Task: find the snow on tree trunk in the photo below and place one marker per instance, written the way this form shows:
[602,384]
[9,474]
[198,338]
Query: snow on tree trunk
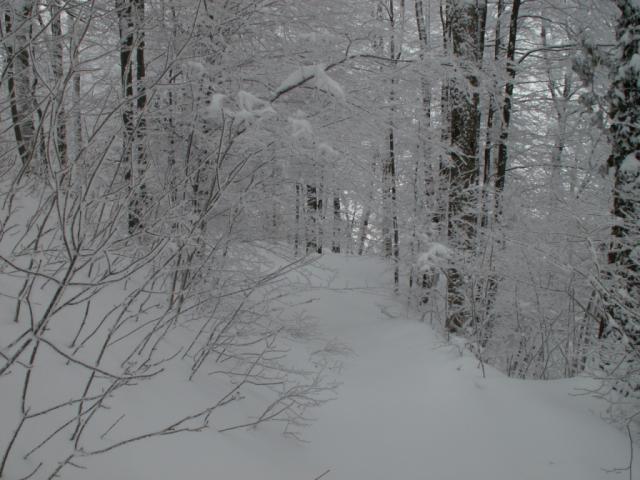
[466,33]
[623,302]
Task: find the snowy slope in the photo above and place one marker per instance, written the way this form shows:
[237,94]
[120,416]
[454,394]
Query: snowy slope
[413,408]
[409,407]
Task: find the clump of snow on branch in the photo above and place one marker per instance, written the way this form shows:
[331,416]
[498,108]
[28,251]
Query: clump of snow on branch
[215,109]
[328,84]
[327,149]
[322,80]
[631,163]
[252,107]
[297,77]
[437,255]
[195,68]
[300,127]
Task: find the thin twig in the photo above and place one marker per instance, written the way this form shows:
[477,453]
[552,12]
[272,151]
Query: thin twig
[322,475]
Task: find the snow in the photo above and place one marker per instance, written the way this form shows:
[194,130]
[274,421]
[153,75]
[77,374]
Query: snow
[311,36]
[316,37]
[197,68]
[328,84]
[300,127]
[411,406]
[298,76]
[327,149]
[215,109]
[252,107]
[631,164]
[435,256]
[317,72]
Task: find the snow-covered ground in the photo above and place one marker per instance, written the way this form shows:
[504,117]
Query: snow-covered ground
[410,406]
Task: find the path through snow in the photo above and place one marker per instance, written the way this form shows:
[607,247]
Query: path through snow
[409,408]
[414,408]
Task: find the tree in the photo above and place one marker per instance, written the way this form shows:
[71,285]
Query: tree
[464,30]
[17,35]
[503,156]
[134,150]
[622,296]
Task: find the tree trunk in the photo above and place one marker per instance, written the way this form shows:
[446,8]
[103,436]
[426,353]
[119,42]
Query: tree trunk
[560,95]
[77,32]
[424,124]
[424,200]
[296,236]
[492,134]
[17,31]
[337,225]
[141,201]
[314,206]
[58,74]
[465,27]
[623,273]
[503,154]
[364,230]
[391,236]
[131,20]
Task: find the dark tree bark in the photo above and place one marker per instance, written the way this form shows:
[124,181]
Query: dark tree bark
[337,224]
[296,237]
[465,28]
[140,196]
[17,31]
[131,20]
[314,206]
[503,153]
[425,86]
[364,231]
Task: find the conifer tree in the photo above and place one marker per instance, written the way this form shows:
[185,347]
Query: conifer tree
[623,304]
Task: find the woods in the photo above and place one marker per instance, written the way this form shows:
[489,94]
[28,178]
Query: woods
[165,164]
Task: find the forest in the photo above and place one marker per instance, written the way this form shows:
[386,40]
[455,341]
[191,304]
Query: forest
[172,169]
